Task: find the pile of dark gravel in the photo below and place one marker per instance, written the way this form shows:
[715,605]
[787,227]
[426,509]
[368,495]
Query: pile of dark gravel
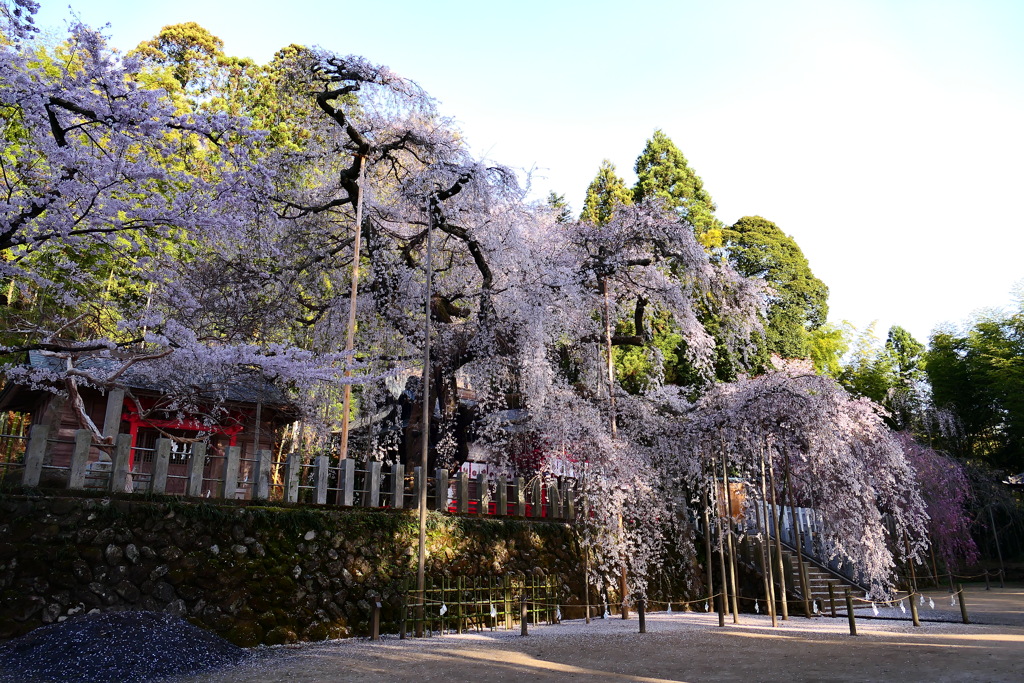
[116,647]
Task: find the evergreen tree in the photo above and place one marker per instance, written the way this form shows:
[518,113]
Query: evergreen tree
[756,247]
[561,208]
[663,173]
[606,193]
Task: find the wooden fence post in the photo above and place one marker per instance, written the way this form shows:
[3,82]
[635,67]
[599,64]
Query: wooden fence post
[119,470]
[482,499]
[554,501]
[641,610]
[292,466]
[371,496]
[519,492]
[347,481]
[523,630]
[196,464]
[321,472]
[229,487]
[832,597]
[502,502]
[79,458]
[535,499]
[462,491]
[261,487]
[161,459]
[398,486]
[567,499]
[34,454]
[913,610]
[441,485]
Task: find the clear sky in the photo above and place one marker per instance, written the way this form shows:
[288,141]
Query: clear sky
[887,137]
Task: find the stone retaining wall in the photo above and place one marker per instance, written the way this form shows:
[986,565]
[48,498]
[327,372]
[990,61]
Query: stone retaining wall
[253,574]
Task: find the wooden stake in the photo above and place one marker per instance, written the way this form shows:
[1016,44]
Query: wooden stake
[963,605]
[350,334]
[849,613]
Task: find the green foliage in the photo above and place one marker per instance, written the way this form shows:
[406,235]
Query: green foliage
[663,173]
[869,370]
[606,193]
[560,207]
[826,346]
[980,376]
[756,247]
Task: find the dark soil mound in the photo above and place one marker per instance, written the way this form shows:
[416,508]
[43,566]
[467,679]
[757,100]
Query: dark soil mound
[117,647]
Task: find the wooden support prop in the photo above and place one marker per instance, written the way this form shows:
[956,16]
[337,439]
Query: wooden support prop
[405,609]
[229,486]
[371,496]
[501,507]
[34,454]
[988,586]
[292,467]
[79,458]
[460,614]
[320,473]
[523,630]
[913,609]
[398,486]
[963,605]
[347,481]
[519,493]
[261,487]
[641,611]
[849,613]
[196,465]
[119,470]
[832,597]
[441,484]
[161,460]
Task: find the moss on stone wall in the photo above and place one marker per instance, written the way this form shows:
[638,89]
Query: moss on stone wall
[254,574]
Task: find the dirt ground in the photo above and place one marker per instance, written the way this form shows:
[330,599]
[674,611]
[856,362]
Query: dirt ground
[685,647]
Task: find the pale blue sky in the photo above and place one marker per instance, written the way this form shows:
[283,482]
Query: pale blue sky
[886,137]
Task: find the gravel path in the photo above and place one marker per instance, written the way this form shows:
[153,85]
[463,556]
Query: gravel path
[679,647]
[140,646]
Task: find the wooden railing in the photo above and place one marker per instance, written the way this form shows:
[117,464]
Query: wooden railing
[292,479]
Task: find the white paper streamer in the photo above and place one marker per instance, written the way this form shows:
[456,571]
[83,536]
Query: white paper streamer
[707,607]
[903,607]
[931,603]
[670,608]
[444,609]
[814,606]
[757,607]
[952,601]
[874,609]
[558,613]
[922,598]
[494,611]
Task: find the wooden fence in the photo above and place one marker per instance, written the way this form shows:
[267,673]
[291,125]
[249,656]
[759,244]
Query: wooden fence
[293,479]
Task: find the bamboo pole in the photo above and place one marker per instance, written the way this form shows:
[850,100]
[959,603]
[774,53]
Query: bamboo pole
[707,547]
[766,565]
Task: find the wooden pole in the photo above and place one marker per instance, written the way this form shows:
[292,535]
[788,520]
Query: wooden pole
[427,410]
[350,333]
[707,547]
[641,610]
[777,518]
[910,564]
[798,541]
[999,550]
[913,609]
[849,613]
[523,629]
[723,603]
[832,597]
[963,605]
[729,534]
[766,548]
